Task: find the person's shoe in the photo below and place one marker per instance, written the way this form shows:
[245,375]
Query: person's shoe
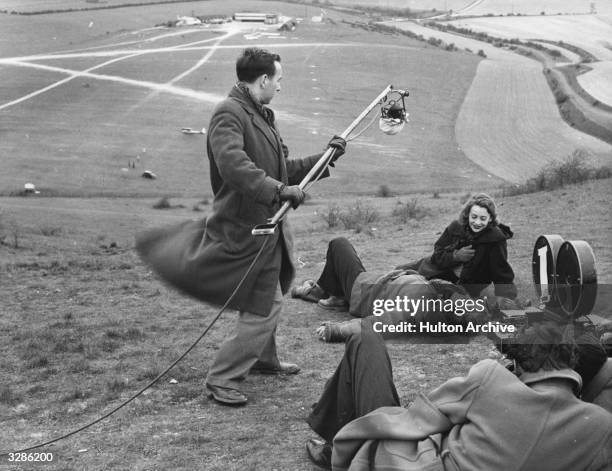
[226,396]
[308,291]
[319,452]
[334,303]
[283,369]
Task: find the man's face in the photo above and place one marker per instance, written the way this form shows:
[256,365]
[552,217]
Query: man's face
[271,84]
[479,218]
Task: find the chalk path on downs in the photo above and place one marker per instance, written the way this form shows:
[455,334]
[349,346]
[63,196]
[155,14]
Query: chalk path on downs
[509,123]
[114,54]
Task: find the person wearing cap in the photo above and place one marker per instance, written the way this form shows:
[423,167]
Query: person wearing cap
[251,178]
[491,419]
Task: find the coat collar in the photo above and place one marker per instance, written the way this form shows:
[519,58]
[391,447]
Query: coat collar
[493,233]
[541,375]
[262,117]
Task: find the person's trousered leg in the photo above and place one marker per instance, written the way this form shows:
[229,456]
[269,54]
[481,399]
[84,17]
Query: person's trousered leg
[342,266]
[253,339]
[362,382]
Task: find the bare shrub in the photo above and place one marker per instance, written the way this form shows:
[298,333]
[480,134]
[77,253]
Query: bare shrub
[8,396]
[331,216]
[602,172]
[51,231]
[117,384]
[162,203]
[384,191]
[77,394]
[404,212]
[10,233]
[573,169]
[36,361]
[356,217]
[359,216]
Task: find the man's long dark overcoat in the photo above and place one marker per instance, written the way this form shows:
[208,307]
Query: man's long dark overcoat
[207,258]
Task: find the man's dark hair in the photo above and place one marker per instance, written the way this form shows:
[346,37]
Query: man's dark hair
[591,356]
[544,345]
[254,62]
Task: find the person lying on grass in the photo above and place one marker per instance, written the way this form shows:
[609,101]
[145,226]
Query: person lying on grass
[492,419]
[471,252]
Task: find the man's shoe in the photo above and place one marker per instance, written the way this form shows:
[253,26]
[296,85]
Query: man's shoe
[320,453]
[226,396]
[283,369]
[334,303]
[308,291]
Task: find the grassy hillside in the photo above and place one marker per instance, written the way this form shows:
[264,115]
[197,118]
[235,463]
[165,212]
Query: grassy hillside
[85,325]
[131,119]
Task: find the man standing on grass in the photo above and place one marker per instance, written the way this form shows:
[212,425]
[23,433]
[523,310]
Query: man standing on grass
[251,177]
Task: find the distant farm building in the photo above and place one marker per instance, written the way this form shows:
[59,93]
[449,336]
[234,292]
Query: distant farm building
[267,18]
[187,21]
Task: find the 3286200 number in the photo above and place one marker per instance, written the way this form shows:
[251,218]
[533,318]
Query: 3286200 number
[30,457]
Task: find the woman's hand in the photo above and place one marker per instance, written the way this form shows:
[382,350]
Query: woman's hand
[464,254]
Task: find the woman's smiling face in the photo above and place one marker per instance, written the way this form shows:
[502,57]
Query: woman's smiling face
[478,218]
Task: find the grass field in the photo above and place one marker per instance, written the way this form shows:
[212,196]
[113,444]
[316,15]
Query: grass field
[138,104]
[84,324]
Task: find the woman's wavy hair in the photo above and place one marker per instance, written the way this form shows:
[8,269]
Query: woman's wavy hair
[483,200]
[543,346]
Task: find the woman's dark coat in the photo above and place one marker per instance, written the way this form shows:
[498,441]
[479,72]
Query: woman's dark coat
[489,264]
[208,258]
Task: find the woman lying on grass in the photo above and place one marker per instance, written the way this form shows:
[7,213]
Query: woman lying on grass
[470,255]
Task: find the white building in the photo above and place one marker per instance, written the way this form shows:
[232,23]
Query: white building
[267,18]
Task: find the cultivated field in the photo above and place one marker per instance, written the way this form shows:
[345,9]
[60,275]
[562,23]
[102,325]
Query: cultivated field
[490,7]
[84,324]
[509,123]
[598,82]
[534,7]
[592,33]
